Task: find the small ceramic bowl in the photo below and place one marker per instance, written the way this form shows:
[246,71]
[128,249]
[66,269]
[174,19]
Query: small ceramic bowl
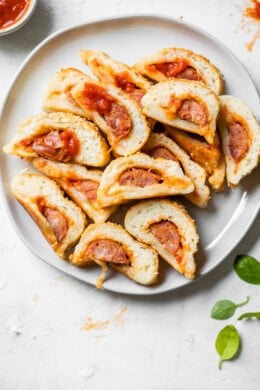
[22,21]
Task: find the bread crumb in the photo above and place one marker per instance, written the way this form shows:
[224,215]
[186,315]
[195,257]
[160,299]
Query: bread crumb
[250,45]
[118,317]
[90,324]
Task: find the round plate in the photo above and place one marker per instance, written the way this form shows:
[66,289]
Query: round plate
[230,213]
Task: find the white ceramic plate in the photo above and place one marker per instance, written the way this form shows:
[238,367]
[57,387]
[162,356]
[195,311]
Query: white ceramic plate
[229,215]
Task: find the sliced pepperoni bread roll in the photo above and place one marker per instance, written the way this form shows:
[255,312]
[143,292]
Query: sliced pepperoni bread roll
[58,94]
[209,156]
[160,146]
[140,176]
[167,227]
[114,72]
[60,137]
[187,105]
[240,135]
[109,243]
[115,114]
[181,64]
[59,219]
[79,183]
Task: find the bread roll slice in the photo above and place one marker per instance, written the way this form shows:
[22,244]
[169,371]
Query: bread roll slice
[160,146]
[187,105]
[60,137]
[108,242]
[79,183]
[167,227]
[59,219]
[58,94]
[208,156]
[240,135]
[140,176]
[180,63]
[115,114]
[117,73]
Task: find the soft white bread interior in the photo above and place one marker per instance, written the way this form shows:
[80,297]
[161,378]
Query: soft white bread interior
[143,260]
[79,183]
[111,71]
[59,219]
[126,178]
[204,69]
[241,145]
[139,132]
[140,219]
[92,147]
[209,156]
[58,94]
[160,142]
[164,102]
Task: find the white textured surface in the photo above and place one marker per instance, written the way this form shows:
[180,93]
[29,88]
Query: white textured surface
[164,342]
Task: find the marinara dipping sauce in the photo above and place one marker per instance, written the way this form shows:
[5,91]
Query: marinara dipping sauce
[11,11]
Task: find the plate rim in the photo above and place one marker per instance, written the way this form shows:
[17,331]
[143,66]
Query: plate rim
[93,21]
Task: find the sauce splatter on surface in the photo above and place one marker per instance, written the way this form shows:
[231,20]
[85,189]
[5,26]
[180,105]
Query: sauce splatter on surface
[253,11]
[250,23]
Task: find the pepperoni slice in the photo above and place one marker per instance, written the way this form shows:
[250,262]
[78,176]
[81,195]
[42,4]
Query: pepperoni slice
[189,74]
[238,141]
[167,233]
[87,187]
[137,95]
[193,111]
[119,121]
[162,152]
[107,250]
[97,99]
[138,177]
[57,145]
[57,221]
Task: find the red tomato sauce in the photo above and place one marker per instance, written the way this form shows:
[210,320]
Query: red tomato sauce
[172,69]
[96,98]
[11,11]
[123,82]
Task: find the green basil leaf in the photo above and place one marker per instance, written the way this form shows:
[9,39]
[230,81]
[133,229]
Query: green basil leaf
[225,308]
[248,269]
[245,316]
[227,343]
